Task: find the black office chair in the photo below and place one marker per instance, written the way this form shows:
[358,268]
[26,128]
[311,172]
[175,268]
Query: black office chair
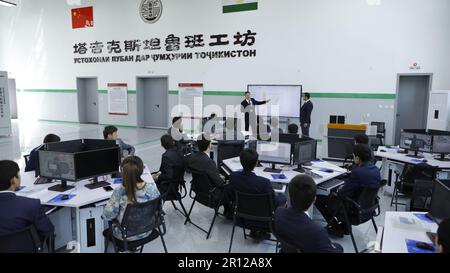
[359,212]
[174,190]
[255,212]
[23,241]
[415,182]
[381,131]
[228,149]
[205,193]
[140,218]
[285,247]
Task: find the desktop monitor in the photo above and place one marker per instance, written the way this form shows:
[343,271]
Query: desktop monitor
[440,201]
[57,165]
[289,138]
[228,149]
[416,141]
[275,153]
[304,153]
[92,164]
[441,145]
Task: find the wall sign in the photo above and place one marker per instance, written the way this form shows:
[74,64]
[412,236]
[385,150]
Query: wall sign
[168,49]
[118,99]
[191,95]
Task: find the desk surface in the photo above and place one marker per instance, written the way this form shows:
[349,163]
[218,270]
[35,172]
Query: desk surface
[392,154]
[234,165]
[84,196]
[396,232]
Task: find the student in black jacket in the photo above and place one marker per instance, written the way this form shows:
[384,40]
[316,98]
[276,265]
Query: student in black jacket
[294,226]
[16,212]
[305,114]
[248,182]
[364,175]
[443,237]
[31,165]
[201,162]
[171,159]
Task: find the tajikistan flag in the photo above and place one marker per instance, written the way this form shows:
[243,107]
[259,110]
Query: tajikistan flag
[239,5]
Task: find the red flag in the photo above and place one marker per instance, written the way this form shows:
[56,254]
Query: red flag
[83,17]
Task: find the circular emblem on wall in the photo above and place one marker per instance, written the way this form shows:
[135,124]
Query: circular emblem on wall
[151,10]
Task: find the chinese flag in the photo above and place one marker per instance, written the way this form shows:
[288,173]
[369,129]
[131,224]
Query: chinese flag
[83,17]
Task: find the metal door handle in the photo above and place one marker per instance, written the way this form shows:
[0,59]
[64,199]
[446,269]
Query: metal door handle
[157,105]
[94,103]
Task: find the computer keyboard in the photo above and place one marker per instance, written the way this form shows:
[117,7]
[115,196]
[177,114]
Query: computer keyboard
[331,184]
[277,186]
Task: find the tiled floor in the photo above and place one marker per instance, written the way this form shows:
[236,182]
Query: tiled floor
[179,238]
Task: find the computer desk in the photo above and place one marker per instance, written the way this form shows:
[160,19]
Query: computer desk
[234,165]
[392,155]
[395,233]
[77,215]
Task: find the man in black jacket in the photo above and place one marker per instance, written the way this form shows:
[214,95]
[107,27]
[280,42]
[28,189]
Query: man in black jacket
[294,226]
[305,114]
[248,107]
[201,162]
[17,212]
[171,161]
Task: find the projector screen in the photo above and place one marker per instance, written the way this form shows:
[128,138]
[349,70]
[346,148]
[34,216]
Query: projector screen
[287,97]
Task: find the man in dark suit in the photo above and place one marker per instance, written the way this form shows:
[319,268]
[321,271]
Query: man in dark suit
[248,182]
[201,162]
[305,114]
[364,175]
[16,212]
[248,107]
[171,159]
[295,227]
[32,160]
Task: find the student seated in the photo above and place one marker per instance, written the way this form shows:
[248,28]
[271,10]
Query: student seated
[293,129]
[16,212]
[443,237]
[294,226]
[132,191]
[364,175]
[110,133]
[360,139]
[248,182]
[176,131]
[31,164]
[201,162]
[171,158]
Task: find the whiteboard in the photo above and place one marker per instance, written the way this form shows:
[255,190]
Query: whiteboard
[287,97]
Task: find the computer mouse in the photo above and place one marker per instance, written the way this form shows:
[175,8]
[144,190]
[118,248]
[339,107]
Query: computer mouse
[65,197]
[424,246]
[383,151]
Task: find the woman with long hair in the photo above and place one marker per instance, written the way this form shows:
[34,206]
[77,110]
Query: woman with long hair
[132,191]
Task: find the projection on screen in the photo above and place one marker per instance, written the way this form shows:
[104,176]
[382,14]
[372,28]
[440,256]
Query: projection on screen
[287,97]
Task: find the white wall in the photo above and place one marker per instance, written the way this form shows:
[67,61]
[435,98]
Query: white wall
[343,46]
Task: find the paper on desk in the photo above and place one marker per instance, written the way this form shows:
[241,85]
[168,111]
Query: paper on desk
[423,217]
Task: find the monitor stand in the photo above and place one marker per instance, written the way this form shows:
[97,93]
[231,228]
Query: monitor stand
[299,169]
[443,159]
[272,170]
[62,187]
[96,184]
[416,155]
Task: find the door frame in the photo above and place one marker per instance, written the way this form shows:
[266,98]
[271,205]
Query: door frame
[397,90]
[78,100]
[165,97]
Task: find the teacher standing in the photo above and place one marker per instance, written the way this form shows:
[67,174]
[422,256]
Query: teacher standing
[248,107]
[305,114]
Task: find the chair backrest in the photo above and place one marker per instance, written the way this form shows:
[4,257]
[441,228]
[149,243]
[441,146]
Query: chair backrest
[142,217]
[368,197]
[381,126]
[228,149]
[203,188]
[23,241]
[256,207]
